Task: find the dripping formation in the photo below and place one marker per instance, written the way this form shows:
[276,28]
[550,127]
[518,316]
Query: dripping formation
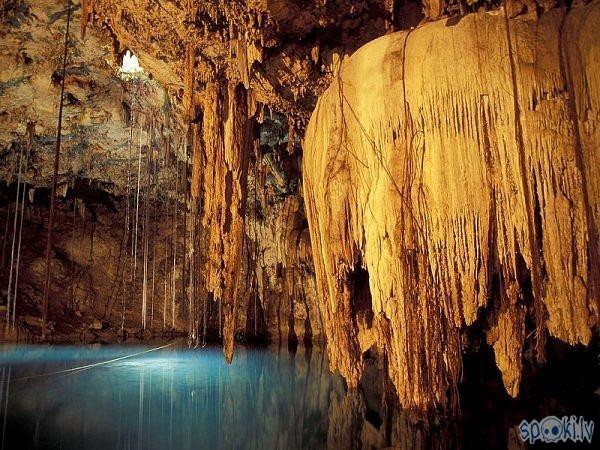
[484,200]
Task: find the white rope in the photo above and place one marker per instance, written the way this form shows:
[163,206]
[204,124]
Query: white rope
[24,189]
[90,366]
[137,203]
[14,299]
[174,276]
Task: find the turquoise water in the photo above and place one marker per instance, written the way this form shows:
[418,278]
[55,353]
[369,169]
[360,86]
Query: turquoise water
[173,398]
[134,398]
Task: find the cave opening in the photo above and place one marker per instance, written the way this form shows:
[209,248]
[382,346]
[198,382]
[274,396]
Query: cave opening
[130,64]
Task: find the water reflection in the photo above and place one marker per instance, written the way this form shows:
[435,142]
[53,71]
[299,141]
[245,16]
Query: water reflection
[172,398]
[175,398]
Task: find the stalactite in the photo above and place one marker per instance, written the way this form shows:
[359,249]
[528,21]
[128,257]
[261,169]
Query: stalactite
[195,186]
[87,13]
[533,238]
[446,185]
[226,137]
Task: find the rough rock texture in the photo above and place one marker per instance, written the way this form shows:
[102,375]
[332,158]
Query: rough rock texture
[118,140]
[94,290]
[450,182]
[111,121]
[278,241]
[283,50]
[100,105]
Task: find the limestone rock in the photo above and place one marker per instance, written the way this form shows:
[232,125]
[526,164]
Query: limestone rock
[455,164]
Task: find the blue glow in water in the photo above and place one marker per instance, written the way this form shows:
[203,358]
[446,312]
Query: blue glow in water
[172,398]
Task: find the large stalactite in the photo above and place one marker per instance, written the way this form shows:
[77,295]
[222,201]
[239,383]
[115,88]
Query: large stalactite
[220,171]
[450,180]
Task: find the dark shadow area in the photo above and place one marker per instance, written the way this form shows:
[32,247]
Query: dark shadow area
[361,301]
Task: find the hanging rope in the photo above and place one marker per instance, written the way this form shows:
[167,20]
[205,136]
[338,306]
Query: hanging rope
[72,268]
[153,172]
[145,234]
[55,174]
[14,239]
[137,203]
[5,234]
[175,236]
[30,131]
[126,232]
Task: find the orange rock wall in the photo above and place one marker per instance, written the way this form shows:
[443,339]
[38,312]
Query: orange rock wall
[456,163]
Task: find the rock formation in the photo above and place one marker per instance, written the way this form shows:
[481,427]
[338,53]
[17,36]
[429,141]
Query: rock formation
[449,183]
[111,121]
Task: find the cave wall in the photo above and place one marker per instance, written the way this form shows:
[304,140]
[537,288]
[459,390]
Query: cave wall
[161,123]
[450,181]
[95,291]
[100,104]
[280,264]
[117,129]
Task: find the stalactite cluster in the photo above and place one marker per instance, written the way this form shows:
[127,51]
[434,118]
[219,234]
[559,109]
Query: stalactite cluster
[282,284]
[440,203]
[220,175]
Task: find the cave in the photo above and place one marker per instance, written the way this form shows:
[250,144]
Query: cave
[299,224]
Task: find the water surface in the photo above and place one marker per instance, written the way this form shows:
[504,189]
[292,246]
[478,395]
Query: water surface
[134,397]
[173,398]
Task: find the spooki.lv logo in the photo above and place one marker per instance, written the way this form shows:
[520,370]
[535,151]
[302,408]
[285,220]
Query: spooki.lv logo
[554,429]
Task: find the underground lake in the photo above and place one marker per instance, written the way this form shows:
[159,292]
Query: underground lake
[299,224]
[168,396]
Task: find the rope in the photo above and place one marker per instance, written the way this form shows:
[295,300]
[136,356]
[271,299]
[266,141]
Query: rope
[55,174]
[88,366]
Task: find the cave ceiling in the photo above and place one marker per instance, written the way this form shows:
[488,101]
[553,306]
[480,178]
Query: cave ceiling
[284,51]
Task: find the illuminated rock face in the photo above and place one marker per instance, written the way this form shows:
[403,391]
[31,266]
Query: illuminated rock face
[451,181]
[449,175]
[115,124]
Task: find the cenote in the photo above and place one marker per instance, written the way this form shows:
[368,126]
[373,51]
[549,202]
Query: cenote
[171,398]
[374,224]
